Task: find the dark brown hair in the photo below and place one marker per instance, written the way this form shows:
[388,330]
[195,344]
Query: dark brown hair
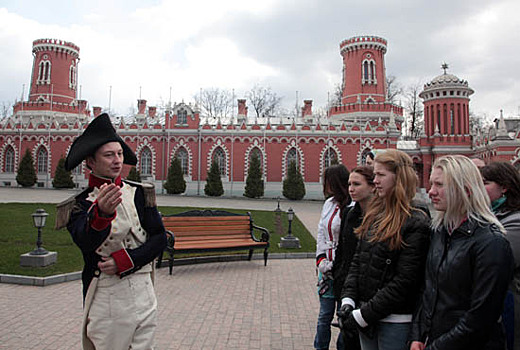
[336,178]
[506,175]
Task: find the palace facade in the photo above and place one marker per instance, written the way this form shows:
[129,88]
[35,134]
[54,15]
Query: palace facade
[52,116]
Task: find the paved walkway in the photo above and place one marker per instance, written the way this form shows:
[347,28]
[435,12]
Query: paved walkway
[227,305]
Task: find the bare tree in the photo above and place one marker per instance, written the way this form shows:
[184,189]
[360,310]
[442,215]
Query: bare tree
[264,101]
[394,90]
[335,98]
[215,102]
[415,109]
[6,109]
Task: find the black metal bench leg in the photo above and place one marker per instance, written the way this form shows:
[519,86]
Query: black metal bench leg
[170,263]
[250,254]
[265,256]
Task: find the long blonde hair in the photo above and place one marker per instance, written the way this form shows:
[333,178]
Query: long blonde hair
[386,216]
[466,196]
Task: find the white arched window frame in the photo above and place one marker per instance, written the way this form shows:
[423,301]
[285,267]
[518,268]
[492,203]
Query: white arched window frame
[330,157]
[73,76]
[9,160]
[369,71]
[292,156]
[42,159]
[220,157]
[146,162]
[182,156]
[44,72]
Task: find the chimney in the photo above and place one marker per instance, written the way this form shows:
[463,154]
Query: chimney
[141,106]
[152,111]
[242,108]
[96,111]
[307,108]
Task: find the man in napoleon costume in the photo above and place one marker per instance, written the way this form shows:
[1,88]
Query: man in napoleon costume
[116,225]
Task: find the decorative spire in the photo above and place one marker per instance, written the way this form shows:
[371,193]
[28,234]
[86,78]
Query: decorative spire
[444,66]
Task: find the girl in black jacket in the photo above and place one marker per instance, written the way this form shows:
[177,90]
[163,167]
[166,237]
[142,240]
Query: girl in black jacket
[469,265]
[361,190]
[384,278]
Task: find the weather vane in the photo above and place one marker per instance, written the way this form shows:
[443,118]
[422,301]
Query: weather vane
[444,66]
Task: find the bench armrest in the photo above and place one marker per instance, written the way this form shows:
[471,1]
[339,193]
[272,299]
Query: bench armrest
[170,240]
[265,234]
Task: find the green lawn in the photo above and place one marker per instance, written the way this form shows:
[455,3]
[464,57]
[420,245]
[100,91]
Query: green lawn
[18,236]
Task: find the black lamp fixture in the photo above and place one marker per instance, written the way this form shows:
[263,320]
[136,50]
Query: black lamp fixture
[290,217]
[39,218]
[290,241]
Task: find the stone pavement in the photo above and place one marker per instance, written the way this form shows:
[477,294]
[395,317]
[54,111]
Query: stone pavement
[228,305]
[225,305]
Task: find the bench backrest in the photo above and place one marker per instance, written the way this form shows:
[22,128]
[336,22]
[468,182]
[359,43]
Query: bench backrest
[208,227]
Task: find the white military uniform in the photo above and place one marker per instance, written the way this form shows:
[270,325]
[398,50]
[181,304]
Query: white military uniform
[120,313]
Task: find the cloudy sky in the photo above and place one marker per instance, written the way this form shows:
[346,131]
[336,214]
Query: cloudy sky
[154,45]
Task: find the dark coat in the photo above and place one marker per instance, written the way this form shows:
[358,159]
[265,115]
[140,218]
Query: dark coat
[89,239]
[351,219]
[383,281]
[467,275]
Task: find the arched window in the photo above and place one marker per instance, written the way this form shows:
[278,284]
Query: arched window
[330,157]
[365,72]
[72,76]
[9,160]
[220,157]
[42,158]
[182,156]
[292,156]
[44,72]
[182,117]
[372,72]
[146,162]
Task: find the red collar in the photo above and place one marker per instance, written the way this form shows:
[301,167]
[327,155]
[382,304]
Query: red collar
[97,180]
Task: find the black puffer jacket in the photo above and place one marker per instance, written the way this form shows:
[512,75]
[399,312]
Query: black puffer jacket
[467,275]
[351,219]
[383,281]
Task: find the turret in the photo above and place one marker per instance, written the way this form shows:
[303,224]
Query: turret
[446,105]
[364,78]
[55,71]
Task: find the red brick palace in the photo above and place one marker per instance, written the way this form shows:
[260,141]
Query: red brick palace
[47,123]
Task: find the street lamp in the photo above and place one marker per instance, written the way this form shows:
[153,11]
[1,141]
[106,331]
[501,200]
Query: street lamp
[290,241]
[39,218]
[290,217]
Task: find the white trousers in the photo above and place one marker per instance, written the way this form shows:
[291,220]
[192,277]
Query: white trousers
[123,314]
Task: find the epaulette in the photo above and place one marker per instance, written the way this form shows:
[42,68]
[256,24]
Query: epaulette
[148,190]
[64,209]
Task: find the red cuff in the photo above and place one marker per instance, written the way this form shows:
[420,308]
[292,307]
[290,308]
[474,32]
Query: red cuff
[123,261]
[99,222]
[320,259]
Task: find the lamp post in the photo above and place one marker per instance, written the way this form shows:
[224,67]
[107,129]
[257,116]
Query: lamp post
[39,257]
[290,241]
[39,218]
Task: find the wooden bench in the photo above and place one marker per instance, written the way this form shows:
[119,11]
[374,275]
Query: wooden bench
[198,231]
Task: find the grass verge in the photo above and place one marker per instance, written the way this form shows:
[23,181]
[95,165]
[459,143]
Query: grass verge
[18,236]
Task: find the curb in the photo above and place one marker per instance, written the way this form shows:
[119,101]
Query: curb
[67,277]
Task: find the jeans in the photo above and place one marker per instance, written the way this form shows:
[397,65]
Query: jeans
[388,336]
[323,333]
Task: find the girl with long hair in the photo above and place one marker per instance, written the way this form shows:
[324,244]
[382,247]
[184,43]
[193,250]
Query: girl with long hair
[469,264]
[502,183]
[335,187]
[385,275]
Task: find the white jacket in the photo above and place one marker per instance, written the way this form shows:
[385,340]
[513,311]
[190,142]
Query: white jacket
[328,229]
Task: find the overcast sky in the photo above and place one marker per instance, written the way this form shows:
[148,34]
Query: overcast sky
[152,45]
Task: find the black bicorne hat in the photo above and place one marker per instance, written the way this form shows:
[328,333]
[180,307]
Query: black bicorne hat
[97,133]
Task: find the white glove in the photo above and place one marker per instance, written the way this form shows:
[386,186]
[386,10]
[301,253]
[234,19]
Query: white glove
[325,266]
